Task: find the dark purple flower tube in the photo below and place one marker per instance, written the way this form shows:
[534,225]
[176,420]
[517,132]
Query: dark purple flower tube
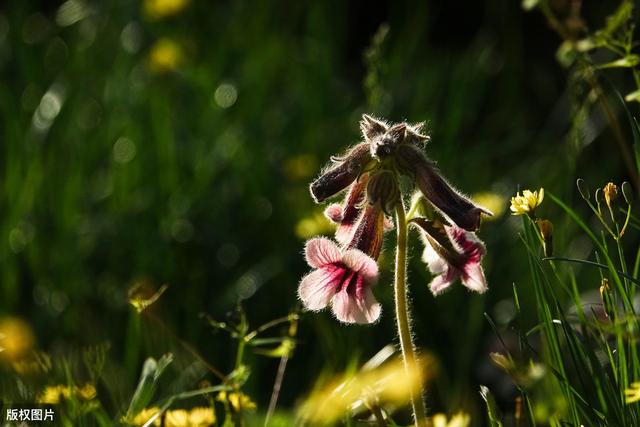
[341,173]
[453,205]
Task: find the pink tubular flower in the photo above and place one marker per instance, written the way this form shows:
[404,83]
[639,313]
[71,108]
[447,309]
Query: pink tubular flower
[340,279]
[451,253]
[346,216]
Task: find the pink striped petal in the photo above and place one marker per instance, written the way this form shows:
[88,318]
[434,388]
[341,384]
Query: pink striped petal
[442,282]
[317,288]
[349,309]
[473,278]
[321,251]
[361,263]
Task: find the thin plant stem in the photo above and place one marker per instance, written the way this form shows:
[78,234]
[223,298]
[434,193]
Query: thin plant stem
[276,389]
[402,314]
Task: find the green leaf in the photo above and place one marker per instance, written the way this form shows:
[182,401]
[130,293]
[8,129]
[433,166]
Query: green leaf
[151,371]
[492,408]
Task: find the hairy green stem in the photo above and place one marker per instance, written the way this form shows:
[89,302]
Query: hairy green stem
[402,315]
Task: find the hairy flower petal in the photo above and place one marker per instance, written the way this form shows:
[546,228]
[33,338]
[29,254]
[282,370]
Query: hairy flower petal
[318,287]
[361,263]
[321,251]
[341,173]
[453,205]
[473,278]
[349,309]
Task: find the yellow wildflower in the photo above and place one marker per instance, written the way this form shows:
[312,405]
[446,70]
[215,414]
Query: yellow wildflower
[527,202]
[458,420]
[143,416]
[201,417]
[165,55]
[177,418]
[86,392]
[632,394]
[157,9]
[610,193]
[52,395]
[238,400]
[16,339]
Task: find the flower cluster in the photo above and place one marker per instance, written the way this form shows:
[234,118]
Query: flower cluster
[345,270]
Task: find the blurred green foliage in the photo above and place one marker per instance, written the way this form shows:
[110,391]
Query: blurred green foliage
[142,148]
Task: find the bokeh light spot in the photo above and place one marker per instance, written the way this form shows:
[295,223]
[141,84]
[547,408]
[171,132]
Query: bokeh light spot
[124,150]
[71,12]
[225,95]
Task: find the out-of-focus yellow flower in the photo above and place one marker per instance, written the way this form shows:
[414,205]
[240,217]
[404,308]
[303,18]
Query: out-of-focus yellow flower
[201,417]
[527,202]
[238,400]
[316,223]
[165,55]
[158,9]
[143,416]
[52,395]
[387,384]
[16,339]
[87,392]
[495,202]
[176,418]
[632,394]
[300,167]
[460,419]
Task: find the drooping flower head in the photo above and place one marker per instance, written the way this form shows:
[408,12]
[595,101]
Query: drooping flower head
[344,273]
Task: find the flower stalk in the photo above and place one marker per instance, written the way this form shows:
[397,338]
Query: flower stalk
[402,313]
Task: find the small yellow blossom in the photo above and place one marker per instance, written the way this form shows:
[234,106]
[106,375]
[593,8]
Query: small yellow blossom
[238,400]
[87,392]
[458,420]
[527,202]
[176,418]
[196,417]
[52,395]
[610,193]
[143,416]
[632,394]
[16,339]
[201,417]
[158,9]
[165,55]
